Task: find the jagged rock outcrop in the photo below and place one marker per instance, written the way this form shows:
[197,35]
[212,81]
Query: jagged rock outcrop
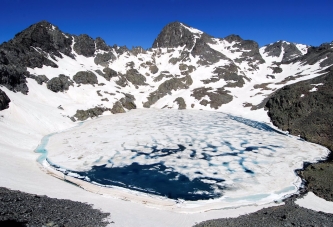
[31,48]
[44,37]
[84,45]
[60,83]
[216,98]
[85,77]
[83,115]
[128,101]
[324,52]
[166,87]
[117,108]
[206,53]
[227,73]
[40,79]
[133,76]
[173,35]
[101,45]
[14,78]
[103,59]
[181,103]
[4,100]
[290,51]
[250,52]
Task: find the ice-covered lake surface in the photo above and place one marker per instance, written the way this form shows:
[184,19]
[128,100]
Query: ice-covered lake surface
[189,155]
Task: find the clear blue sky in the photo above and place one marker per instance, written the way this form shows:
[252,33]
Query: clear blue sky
[138,22]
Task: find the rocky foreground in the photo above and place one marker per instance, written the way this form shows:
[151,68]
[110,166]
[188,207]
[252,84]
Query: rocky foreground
[285,215]
[23,209]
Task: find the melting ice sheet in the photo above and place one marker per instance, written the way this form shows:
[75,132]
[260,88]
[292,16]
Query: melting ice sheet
[190,155]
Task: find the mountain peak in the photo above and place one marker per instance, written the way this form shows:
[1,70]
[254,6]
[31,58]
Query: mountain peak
[177,34]
[231,38]
[45,36]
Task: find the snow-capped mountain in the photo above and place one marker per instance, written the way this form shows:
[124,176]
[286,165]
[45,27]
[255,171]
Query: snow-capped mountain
[185,68]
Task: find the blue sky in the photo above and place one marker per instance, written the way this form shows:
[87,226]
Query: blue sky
[138,22]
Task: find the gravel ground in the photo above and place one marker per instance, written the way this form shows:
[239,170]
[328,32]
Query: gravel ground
[23,209]
[285,215]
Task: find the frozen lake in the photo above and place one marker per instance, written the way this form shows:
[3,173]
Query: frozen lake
[188,155]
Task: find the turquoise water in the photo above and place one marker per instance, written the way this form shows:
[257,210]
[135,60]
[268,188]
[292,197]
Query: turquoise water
[41,148]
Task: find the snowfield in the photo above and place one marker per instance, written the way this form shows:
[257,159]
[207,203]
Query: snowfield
[237,159]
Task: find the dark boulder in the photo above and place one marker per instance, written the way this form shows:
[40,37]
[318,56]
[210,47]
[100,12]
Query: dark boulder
[133,76]
[181,103]
[4,100]
[60,83]
[117,108]
[128,101]
[85,77]
[103,59]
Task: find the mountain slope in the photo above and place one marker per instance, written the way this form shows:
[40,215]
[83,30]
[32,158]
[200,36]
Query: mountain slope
[185,68]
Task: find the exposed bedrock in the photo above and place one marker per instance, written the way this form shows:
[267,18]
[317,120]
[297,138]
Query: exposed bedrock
[319,179]
[227,73]
[107,73]
[206,54]
[101,45]
[133,76]
[46,37]
[290,50]
[128,101]
[85,77]
[166,87]
[117,108]
[324,52]
[40,79]
[181,103]
[82,115]
[84,45]
[153,69]
[14,78]
[216,98]
[174,35]
[31,48]
[60,83]
[103,59]
[305,109]
[250,51]
[4,100]
[23,209]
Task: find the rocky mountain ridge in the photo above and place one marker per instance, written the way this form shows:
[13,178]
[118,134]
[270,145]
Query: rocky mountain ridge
[185,68]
